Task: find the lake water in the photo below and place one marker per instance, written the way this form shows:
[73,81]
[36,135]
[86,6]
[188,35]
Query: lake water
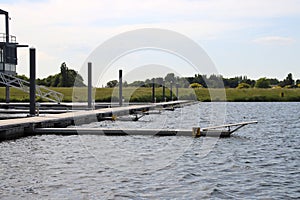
[260,161]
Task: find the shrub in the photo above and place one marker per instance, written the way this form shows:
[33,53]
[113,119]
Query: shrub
[196,85]
[243,86]
[262,83]
[288,86]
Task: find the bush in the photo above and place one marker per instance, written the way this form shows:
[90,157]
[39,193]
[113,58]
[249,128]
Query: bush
[288,86]
[262,83]
[196,85]
[243,86]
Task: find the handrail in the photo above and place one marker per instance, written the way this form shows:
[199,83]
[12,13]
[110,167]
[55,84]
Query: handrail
[23,85]
[12,38]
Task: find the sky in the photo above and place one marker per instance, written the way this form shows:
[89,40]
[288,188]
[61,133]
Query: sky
[253,38]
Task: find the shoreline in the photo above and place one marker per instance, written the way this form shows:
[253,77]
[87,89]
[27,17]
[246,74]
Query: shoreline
[144,95]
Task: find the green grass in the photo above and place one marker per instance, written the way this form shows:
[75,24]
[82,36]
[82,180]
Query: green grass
[145,94]
[255,94]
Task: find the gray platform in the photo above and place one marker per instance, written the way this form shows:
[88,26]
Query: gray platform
[15,128]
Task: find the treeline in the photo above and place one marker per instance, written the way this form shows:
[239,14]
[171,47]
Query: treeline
[212,81]
[66,78]
[70,78]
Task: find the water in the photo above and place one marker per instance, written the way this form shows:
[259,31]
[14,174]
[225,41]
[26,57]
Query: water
[259,161]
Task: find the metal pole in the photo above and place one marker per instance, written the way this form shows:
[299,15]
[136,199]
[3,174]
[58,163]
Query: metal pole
[171,92]
[164,91]
[7,26]
[177,91]
[89,85]
[32,80]
[153,91]
[120,88]
[7,91]
[7,94]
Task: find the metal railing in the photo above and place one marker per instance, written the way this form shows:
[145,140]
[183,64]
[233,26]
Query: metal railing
[12,38]
[23,85]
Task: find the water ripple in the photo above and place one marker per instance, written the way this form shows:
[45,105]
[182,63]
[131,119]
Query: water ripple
[259,162]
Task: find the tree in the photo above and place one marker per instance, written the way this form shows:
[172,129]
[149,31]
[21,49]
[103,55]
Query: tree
[54,82]
[234,82]
[23,77]
[298,83]
[170,77]
[288,81]
[231,82]
[137,84]
[200,79]
[69,77]
[66,78]
[214,81]
[183,82]
[273,81]
[249,81]
[262,83]
[112,84]
[148,83]
[159,81]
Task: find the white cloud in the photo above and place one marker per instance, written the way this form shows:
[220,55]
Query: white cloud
[274,40]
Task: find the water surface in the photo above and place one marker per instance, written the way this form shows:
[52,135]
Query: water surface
[259,161]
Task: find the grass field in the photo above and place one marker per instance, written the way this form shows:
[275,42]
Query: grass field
[145,94]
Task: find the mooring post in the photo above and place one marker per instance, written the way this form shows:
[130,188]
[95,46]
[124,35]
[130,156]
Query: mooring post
[153,90]
[164,91]
[32,80]
[7,94]
[171,92]
[89,85]
[177,85]
[120,88]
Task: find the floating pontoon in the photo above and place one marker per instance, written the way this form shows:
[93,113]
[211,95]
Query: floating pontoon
[215,131]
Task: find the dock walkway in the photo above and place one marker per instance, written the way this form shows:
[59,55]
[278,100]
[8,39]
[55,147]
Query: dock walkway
[20,127]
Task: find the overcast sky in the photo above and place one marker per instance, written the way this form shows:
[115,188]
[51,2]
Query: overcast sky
[256,38]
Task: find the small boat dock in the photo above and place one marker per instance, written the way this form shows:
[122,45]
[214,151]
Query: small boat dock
[216,131]
[21,127]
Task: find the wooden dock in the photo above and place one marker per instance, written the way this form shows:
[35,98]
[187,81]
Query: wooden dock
[16,128]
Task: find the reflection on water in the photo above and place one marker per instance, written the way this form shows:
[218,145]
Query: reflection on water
[259,161]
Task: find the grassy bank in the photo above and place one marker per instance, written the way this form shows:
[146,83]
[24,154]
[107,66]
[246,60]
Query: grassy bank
[145,94]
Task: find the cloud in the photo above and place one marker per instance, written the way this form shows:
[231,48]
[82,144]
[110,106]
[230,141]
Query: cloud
[274,40]
[70,30]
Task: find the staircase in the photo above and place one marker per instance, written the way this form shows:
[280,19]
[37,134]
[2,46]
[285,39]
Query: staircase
[20,84]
